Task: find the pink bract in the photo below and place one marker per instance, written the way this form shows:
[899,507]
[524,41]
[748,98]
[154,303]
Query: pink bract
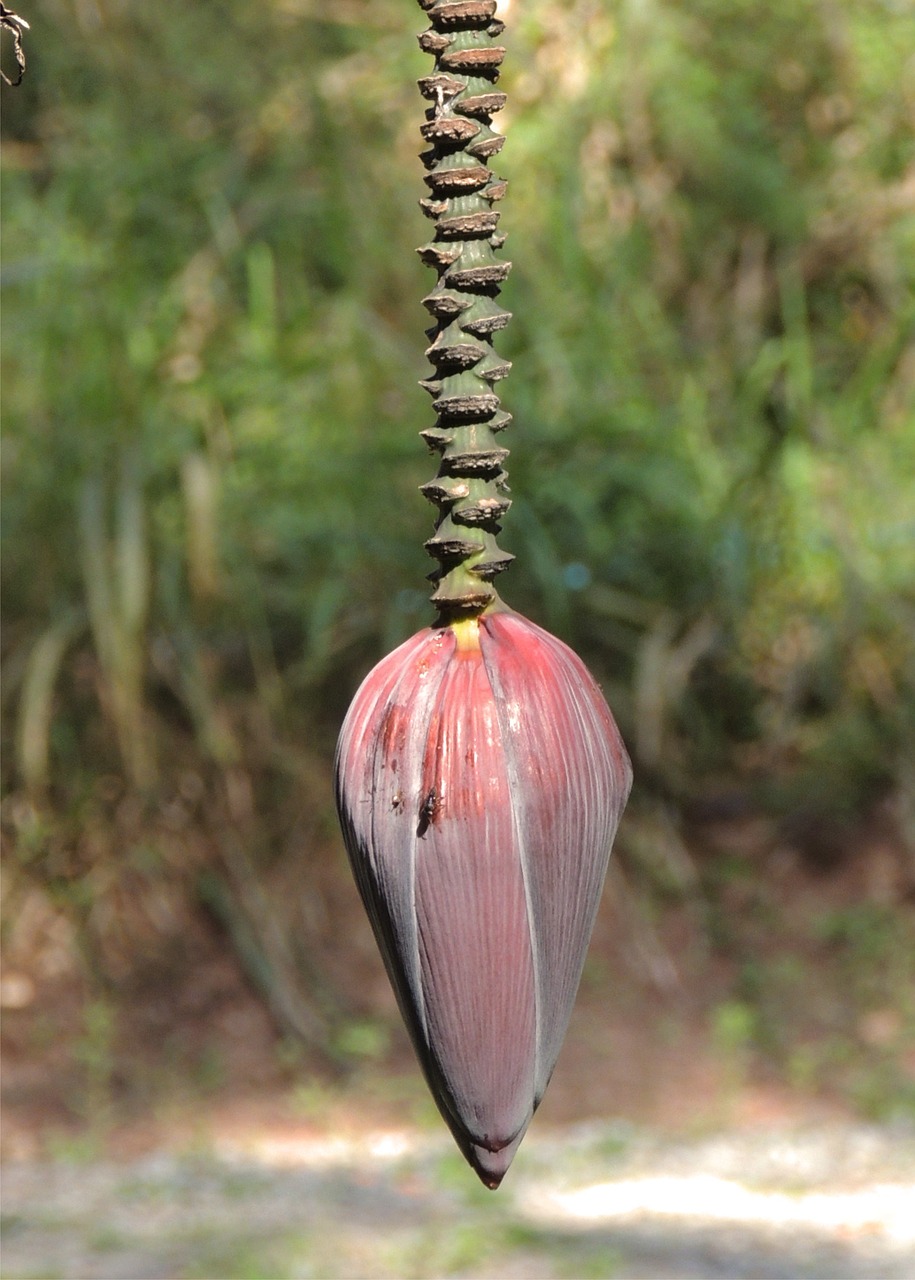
[480,780]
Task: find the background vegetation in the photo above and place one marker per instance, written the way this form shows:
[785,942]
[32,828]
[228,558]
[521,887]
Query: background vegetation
[211,525]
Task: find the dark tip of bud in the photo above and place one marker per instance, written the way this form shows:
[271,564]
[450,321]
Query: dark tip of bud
[492,1166]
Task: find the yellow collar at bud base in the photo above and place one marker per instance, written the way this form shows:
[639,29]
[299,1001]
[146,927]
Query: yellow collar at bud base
[467,634]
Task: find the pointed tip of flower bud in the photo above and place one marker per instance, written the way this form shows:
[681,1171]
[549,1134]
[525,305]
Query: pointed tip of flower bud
[492,1166]
[480,780]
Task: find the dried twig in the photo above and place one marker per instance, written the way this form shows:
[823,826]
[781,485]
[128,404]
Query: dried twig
[11,22]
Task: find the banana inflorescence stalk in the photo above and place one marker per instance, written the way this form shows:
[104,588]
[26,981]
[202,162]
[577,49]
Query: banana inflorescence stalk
[470,489]
[480,776]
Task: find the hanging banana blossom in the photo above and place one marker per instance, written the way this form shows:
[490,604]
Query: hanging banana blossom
[480,776]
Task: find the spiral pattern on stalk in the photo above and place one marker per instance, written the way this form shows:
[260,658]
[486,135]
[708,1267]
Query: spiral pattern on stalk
[470,488]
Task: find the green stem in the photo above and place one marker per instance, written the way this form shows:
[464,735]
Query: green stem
[470,487]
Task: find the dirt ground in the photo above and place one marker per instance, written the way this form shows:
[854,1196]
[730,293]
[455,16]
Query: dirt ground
[593,1200]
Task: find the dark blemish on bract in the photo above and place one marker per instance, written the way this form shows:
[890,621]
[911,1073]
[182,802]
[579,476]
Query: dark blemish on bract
[427,812]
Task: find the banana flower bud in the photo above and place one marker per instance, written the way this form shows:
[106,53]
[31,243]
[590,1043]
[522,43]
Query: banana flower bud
[480,778]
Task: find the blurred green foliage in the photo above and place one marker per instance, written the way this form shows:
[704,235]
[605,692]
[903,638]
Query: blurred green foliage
[212,342]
